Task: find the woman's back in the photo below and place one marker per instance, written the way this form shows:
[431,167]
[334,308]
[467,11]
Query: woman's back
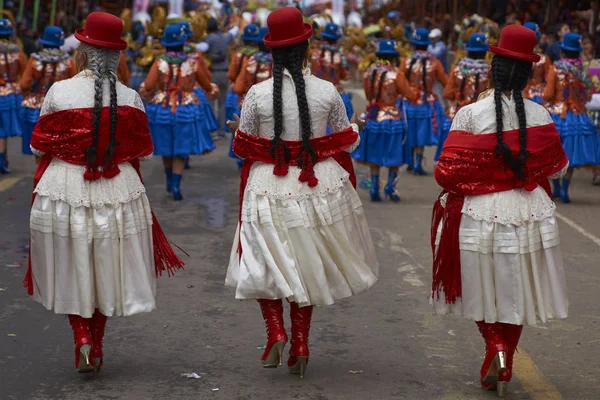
[325,108]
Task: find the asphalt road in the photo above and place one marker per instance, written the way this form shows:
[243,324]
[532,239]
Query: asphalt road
[385,344]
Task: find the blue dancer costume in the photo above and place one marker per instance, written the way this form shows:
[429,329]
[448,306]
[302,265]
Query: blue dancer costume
[426,117]
[467,80]
[535,87]
[383,138]
[568,90]
[43,70]
[174,113]
[330,64]
[12,66]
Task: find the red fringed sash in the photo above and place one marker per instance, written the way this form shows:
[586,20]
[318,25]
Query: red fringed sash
[67,134]
[469,166]
[253,148]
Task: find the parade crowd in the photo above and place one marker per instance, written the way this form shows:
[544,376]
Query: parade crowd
[509,109]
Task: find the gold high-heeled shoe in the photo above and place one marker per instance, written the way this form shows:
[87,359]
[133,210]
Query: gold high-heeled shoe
[496,368]
[501,388]
[84,364]
[299,367]
[275,356]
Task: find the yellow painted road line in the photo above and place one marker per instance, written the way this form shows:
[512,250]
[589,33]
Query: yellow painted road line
[532,379]
[7,183]
[578,228]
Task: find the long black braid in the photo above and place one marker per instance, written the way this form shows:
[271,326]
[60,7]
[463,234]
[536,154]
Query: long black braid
[291,59]
[111,70]
[424,62]
[511,75]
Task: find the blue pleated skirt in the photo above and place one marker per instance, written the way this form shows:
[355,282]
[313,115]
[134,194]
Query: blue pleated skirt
[29,117]
[178,134]
[347,98]
[10,108]
[579,138]
[421,130]
[442,138]
[537,99]
[211,120]
[382,143]
[231,107]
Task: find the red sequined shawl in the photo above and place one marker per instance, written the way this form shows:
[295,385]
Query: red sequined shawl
[67,134]
[469,166]
[253,148]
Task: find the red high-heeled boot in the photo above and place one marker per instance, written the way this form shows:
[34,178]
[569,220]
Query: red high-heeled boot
[495,355]
[83,343]
[301,318]
[512,335]
[97,330]
[272,311]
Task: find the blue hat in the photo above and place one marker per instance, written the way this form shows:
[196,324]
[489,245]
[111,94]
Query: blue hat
[53,36]
[571,42]
[174,36]
[407,30]
[387,47]
[478,43]
[6,27]
[420,37]
[263,32]
[332,32]
[187,28]
[534,27]
[252,33]
[393,14]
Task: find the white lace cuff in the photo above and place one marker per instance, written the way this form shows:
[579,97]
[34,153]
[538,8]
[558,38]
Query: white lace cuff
[36,151]
[560,173]
[357,143]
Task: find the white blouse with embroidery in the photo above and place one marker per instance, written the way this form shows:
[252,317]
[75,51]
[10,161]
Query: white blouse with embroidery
[512,207]
[326,108]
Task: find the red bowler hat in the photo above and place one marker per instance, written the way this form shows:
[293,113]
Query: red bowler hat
[286,28]
[517,42]
[102,30]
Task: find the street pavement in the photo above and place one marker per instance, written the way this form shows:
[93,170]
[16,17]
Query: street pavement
[384,344]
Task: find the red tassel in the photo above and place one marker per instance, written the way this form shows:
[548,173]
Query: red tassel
[111,172]
[308,172]
[90,175]
[28,281]
[446,261]
[165,258]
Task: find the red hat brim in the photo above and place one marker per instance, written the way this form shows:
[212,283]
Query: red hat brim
[273,44]
[513,54]
[120,45]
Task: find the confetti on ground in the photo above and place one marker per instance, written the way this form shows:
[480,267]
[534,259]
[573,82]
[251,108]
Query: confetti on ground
[215,389]
[191,375]
[261,347]
[11,334]
[356,372]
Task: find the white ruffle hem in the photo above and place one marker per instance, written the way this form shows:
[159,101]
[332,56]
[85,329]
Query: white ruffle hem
[91,243]
[310,249]
[511,274]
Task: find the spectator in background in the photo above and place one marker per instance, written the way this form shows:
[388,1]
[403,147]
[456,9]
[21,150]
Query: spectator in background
[511,14]
[216,47]
[588,47]
[553,50]
[438,48]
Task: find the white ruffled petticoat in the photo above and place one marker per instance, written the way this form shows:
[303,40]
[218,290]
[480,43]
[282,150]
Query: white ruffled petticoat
[511,265]
[91,243]
[308,245]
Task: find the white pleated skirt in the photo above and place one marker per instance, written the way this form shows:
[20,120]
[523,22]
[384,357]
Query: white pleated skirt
[312,250]
[510,274]
[85,258]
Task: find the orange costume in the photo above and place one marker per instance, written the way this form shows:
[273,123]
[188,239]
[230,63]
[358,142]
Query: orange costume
[12,67]
[255,69]
[42,71]
[535,88]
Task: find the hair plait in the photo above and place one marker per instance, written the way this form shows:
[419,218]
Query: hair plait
[511,75]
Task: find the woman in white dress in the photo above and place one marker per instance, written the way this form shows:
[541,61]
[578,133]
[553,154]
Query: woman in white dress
[95,245]
[497,259]
[303,235]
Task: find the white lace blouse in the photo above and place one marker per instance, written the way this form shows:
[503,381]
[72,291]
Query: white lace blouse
[326,109]
[513,207]
[63,181]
